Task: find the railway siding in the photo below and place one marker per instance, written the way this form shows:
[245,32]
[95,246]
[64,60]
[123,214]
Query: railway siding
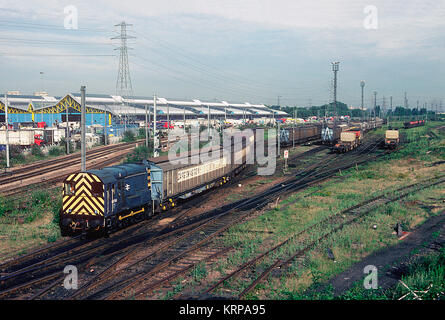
[311,206]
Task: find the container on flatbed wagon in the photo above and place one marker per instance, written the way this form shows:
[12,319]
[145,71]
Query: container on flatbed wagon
[348,136]
[392,134]
[391,138]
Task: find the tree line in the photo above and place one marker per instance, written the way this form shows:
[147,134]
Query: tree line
[342,110]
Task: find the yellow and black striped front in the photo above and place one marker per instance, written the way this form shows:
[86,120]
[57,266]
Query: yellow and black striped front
[83,195]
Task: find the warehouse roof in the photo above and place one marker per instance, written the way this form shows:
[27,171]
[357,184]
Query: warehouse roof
[136,105]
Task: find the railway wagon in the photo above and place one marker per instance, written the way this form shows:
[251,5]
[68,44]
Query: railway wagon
[299,134]
[349,140]
[331,134]
[391,139]
[172,182]
[377,123]
[413,124]
[99,201]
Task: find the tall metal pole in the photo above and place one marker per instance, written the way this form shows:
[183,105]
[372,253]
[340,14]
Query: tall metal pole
[390,103]
[183,109]
[208,121]
[82,126]
[125,118]
[293,129]
[417,110]
[278,140]
[146,125]
[435,115]
[405,103]
[149,121]
[67,133]
[362,85]
[375,105]
[168,123]
[335,69]
[155,136]
[7,131]
[383,107]
[105,128]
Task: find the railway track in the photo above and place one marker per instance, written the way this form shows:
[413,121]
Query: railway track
[163,268]
[213,223]
[34,271]
[30,272]
[340,220]
[60,164]
[51,182]
[66,245]
[44,264]
[73,156]
[162,274]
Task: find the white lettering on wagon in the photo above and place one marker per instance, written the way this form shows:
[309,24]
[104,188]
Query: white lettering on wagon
[201,169]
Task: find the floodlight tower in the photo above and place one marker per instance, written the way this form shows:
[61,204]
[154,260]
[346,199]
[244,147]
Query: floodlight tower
[362,85]
[335,66]
[375,105]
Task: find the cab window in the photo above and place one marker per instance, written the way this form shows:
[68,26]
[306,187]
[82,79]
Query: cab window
[69,188]
[97,189]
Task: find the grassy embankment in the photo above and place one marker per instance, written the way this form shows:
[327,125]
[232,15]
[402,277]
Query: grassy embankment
[29,222]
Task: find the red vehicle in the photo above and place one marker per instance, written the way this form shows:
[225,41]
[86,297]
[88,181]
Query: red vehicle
[38,140]
[413,124]
[41,124]
[165,125]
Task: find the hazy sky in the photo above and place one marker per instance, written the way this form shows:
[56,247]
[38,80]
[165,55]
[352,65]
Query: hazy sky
[230,50]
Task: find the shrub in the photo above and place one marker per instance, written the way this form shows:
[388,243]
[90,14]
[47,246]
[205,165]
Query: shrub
[141,133]
[36,151]
[138,154]
[56,151]
[128,136]
[5,206]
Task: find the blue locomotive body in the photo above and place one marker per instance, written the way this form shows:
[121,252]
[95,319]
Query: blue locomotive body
[104,198]
[126,186]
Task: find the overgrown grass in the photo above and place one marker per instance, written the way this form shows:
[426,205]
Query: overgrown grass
[30,208]
[55,151]
[29,221]
[425,276]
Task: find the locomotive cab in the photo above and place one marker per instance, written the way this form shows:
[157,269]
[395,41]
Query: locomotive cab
[83,204]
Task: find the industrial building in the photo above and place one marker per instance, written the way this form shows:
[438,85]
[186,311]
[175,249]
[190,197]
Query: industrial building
[117,109]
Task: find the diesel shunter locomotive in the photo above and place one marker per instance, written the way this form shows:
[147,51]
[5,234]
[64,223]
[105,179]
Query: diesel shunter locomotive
[109,198]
